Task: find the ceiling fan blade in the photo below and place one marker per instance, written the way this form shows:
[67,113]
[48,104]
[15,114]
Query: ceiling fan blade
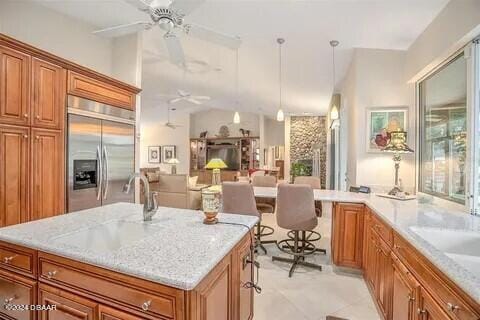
[185,7]
[175,100]
[210,35]
[175,50]
[139,4]
[123,29]
[194,101]
[201,97]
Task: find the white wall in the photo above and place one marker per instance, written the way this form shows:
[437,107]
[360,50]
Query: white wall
[376,80]
[274,132]
[51,31]
[153,133]
[211,120]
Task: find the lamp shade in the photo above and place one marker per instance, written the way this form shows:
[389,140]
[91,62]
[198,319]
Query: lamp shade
[398,143]
[216,163]
[172,161]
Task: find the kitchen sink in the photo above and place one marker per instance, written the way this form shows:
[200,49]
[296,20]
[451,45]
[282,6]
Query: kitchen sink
[109,236]
[461,246]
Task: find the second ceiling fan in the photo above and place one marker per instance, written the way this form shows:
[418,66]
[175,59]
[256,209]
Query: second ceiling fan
[171,19]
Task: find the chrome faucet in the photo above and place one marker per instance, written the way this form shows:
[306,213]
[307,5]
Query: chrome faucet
[150,204]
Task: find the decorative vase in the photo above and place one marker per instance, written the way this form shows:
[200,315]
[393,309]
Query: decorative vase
[211,200]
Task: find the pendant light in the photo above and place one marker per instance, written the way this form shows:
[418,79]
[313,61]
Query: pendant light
[280,115]
[236,116]
[334,111]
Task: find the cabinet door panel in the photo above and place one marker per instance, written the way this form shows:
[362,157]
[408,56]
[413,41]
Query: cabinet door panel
[106,313]
[384,277]
[429,309]
[65,306]
[348,235]
[14,159]
[18,291]
[405,289]
[14,87]
[48,94]
[48,171]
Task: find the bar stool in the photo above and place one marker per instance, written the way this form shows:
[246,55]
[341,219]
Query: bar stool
[265,205]
[296,212]
[238,198]
[314,183]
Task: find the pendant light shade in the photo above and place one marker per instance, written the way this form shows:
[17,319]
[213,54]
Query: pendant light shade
[236,118]
[280,115]
[334,113]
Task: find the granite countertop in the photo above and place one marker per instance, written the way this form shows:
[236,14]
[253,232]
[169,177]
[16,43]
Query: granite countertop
[439,224]
[175,248]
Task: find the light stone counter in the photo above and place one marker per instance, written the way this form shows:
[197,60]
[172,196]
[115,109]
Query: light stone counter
[175,249]
[450,239]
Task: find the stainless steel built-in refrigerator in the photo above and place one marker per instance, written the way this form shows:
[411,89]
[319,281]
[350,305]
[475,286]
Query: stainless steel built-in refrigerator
[101,153]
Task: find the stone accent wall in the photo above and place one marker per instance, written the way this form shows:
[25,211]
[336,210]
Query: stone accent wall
[306,132]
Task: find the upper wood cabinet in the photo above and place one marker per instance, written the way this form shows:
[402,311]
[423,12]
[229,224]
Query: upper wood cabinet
[347,233]
[90,88]
[14,87]
[48,173]
[14,174]
[48,94]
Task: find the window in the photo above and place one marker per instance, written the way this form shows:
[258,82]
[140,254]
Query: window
[443,132]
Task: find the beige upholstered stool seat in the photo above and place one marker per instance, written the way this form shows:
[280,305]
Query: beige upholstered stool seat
[296,212]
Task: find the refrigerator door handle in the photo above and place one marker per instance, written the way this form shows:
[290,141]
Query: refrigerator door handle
[99,173]
[105,161]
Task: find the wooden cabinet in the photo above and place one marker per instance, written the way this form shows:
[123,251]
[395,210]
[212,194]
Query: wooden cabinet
[106,313]
[14,174]
[14,87]
[48,173]
[87,87]
[246,273]
[17,291]
[405,292]
[347,234]
[65,306]
[48,95]
[429,308]
[383,281]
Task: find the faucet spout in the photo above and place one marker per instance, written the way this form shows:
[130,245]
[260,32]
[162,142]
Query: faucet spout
[149,198]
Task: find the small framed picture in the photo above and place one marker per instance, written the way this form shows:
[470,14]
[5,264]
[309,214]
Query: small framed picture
[168,152]
[381,122]
[154,155]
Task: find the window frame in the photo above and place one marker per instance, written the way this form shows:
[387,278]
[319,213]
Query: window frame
[471,55]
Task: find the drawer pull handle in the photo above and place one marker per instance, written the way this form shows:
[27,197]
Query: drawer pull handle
[51,274]
[146,305]
[410,298]
[25,115]
[397,247]
[452,307]
[37,116]
[7,260]
[421,311]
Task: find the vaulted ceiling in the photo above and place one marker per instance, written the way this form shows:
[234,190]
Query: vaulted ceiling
[307,27]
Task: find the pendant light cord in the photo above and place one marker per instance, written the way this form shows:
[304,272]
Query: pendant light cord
[333,61]
[280,72]
[236,78]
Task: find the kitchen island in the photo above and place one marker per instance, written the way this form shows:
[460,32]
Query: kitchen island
[107,263]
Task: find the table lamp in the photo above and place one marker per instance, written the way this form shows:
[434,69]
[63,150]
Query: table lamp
[216,164]
[397,145]
[173,162]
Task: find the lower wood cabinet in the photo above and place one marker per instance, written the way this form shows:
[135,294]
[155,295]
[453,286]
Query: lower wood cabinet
[347,239]
[405,292]
[17,291]
[48,173]
[106,313]
[65,306]
[429,309]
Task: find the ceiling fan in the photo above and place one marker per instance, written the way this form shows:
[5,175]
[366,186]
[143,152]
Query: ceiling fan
[169,124]
[187,96]
[171,19]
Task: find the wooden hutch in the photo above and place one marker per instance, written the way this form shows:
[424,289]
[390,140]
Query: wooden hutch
[243,155]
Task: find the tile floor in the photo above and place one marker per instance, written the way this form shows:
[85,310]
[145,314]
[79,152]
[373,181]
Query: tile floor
[310,294]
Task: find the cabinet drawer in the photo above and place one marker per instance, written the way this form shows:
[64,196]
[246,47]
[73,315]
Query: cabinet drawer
[18,291]
[445,294]
[104,289]
[86,87]
[383,230]
[17,259]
